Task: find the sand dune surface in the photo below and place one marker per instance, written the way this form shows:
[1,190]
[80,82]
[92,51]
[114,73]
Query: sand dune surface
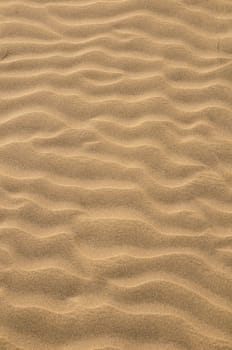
[116,175]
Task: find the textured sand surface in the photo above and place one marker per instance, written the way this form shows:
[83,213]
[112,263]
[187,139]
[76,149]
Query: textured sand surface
[116,174]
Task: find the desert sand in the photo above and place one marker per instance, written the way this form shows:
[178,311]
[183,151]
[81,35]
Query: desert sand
[116,174]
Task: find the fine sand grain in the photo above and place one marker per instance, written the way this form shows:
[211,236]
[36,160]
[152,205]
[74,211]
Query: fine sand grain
[116,174]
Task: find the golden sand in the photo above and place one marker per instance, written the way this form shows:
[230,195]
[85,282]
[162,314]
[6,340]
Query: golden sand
[115,175]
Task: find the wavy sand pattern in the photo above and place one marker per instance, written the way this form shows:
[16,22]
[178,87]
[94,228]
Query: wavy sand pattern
[115,174]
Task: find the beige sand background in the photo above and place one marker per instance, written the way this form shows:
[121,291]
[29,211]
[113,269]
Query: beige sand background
[115,174]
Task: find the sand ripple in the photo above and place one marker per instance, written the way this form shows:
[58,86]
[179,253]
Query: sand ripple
[115,175]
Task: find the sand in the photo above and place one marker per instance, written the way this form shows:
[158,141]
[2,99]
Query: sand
[116,174]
